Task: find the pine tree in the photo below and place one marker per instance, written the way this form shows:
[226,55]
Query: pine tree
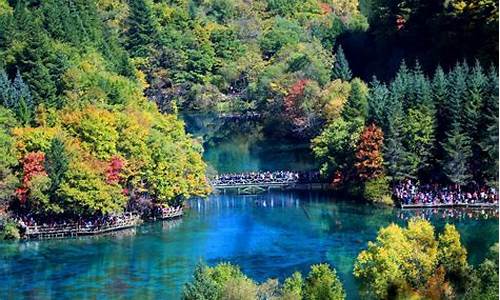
[56,164]
[489,137]
[23,106]
[422,89]
[439,95]
[357,102]
[457,148]
[341,68]
[202,287]
[378,99]
[395,155]
[401,86]
[457,87]
[141,32]
[476,89]
[6,92]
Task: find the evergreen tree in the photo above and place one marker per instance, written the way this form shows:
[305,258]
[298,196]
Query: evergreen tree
[457,86]
[378,99]
[476,89]
[357,102]
[489,137]
[341,68]
[6,92]
[401,86]
[457,148]
[203,286]
[439,95]
[141,32]
[394,152]
[24,107]
[56,164]
[422,89]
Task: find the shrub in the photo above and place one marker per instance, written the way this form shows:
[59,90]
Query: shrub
[10,231]
[322,283]
[377,191]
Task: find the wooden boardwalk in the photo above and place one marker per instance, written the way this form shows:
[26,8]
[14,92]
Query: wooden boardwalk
[75,229]
[451,205]
[43,232]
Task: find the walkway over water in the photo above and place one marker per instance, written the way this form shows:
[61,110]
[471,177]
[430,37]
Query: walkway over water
[73,229]
[253,182]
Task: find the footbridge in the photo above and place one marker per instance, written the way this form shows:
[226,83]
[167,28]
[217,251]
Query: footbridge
[258,182]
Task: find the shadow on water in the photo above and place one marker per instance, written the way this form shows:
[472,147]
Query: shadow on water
[240,146]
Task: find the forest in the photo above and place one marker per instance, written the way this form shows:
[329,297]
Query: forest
[90,91]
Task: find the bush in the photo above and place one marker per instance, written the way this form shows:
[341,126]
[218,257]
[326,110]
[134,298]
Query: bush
[322,283]
[226,282]
[377,191]
[10,231]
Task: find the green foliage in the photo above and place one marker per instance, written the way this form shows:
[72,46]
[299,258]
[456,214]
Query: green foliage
[341,68]
[9,231]
[322,283]
[284,32]
[56,163]
[357,102]
[226,281]
[292,287]
[411,262]
[141,31]
[334,147]
[203,287]
[8,161]
[23,102]
[482,282]
[452,254]
[457,155]
[377,190]
[418,132]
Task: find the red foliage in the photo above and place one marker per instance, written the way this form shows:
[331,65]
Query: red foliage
[114,169]
[400,22]
[325,8]
[338,179]
[292,102]
[369,162]
[33,165]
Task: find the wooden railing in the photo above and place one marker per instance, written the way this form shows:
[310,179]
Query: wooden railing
[76,229]
[170,213]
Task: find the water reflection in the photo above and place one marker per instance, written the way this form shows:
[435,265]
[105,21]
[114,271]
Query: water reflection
[268,235]
[449,213]
[233,145]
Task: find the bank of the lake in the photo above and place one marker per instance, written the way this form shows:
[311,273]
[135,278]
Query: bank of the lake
[270,235]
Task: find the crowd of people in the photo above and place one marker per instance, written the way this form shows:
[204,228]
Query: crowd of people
[412,192]
[94,223]
[265,177]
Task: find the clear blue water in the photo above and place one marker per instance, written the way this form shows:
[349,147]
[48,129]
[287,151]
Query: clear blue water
[242,146]
[271,235]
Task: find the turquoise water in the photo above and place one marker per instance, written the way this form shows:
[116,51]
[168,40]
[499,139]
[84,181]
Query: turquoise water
[242,146]
[271,235]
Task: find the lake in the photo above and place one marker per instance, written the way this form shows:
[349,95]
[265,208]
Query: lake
[268,235]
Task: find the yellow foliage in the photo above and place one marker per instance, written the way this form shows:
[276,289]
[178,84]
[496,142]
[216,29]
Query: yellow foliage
[33,139]
[334,97]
